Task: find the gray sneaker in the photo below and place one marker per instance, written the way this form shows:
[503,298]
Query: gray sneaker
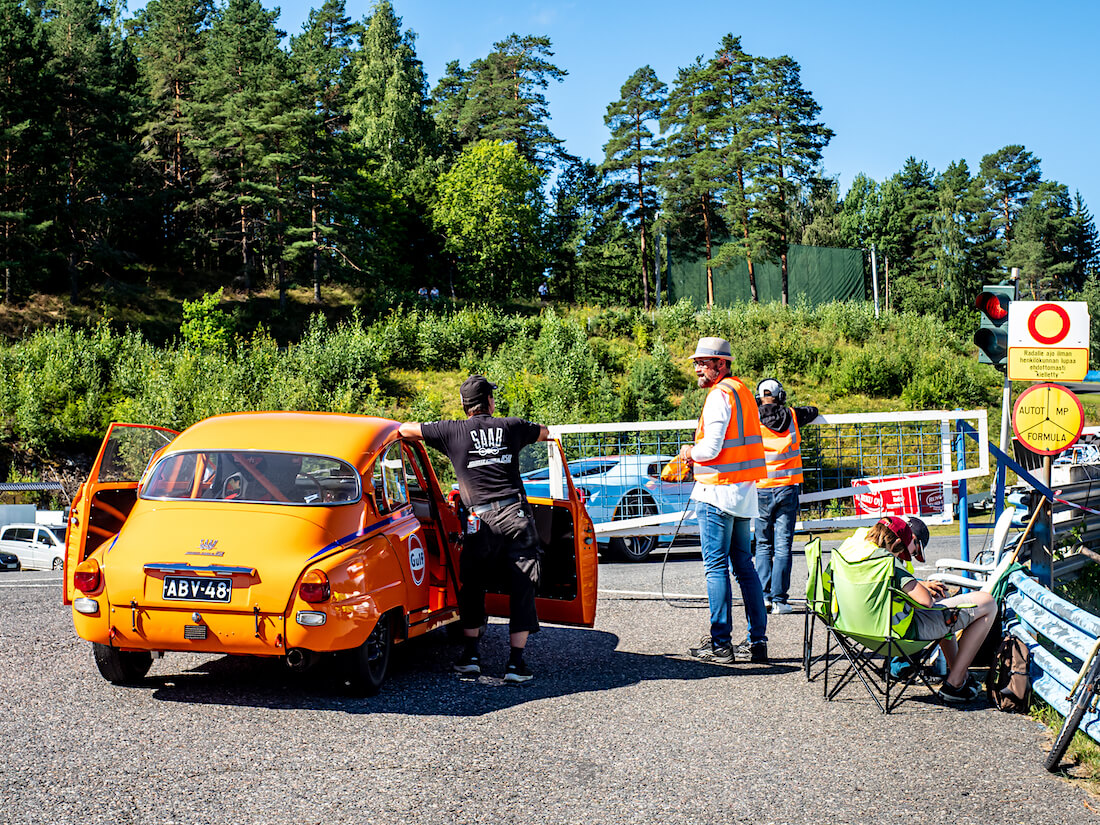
[781,607]
[755,652]
[708,651]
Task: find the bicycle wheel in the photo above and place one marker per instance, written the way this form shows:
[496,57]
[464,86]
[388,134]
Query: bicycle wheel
[1072,721]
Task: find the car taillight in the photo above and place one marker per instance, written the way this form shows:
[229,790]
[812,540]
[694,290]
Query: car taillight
[87,576]
[584,494]
[314,587]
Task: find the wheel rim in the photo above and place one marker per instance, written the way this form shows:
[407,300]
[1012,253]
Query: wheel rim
[376,645]
[58,564]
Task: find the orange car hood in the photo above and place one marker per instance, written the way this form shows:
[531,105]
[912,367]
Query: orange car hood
[276,542]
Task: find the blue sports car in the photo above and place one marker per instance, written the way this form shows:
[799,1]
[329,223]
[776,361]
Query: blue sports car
[618,487]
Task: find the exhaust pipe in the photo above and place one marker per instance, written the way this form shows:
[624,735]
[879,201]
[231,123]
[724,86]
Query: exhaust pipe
[299,659]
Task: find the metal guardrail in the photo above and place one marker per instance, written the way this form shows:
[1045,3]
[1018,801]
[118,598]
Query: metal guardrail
[1060,637]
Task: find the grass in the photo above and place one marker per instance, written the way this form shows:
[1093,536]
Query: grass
[1081,764]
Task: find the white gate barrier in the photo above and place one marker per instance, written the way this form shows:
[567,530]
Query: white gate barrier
[856,467]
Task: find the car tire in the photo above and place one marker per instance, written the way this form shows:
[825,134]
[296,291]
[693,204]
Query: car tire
[121,667]
[634,504]
[369,663]
[58,564]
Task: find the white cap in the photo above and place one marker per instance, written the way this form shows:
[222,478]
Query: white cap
[769,386]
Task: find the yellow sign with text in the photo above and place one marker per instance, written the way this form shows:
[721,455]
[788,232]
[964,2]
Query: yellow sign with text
[1047,364]
[1047,418]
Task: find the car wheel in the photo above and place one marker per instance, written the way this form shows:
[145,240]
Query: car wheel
[121,667]
[369,663]
[58,564]
[634,504]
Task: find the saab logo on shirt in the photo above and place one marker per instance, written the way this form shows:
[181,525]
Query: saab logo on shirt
[487,442]
[488,446]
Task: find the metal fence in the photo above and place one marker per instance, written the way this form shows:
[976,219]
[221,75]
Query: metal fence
[856,467]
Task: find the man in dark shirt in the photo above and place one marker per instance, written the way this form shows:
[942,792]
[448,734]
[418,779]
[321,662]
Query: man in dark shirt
[500,530]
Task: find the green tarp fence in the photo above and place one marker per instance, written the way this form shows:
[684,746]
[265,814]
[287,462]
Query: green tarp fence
[815,274]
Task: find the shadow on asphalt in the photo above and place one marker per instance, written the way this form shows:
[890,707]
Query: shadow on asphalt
[566,661]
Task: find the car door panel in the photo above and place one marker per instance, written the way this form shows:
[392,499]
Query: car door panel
[103,503]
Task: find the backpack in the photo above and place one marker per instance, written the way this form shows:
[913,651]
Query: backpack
[1009,683]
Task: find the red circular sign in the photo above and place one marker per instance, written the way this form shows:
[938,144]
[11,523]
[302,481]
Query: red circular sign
[1057,337]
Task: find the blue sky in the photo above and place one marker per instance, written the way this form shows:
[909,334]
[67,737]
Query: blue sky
[941,81]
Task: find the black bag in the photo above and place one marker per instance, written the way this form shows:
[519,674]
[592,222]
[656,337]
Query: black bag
[1009,683]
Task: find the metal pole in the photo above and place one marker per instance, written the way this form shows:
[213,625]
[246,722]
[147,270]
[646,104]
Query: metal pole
[999,484]
[874,278]
[964,515]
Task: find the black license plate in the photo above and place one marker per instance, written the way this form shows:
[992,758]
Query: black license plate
[195,589]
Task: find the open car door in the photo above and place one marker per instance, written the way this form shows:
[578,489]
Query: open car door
[567,590]
[103,502]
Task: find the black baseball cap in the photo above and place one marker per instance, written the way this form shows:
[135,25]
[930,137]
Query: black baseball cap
[475,390]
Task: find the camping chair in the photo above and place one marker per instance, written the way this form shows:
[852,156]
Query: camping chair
[987,567]
[863,604]
[819,598]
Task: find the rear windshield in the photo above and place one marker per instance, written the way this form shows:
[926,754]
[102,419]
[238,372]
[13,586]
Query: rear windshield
[253,476]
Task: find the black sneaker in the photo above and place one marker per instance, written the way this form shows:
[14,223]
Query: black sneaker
[967,693]
[709,651]
[517,674]
[468,664]
[755,652]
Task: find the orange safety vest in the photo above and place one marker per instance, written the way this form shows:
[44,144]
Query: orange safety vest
[783,452]
[742,455]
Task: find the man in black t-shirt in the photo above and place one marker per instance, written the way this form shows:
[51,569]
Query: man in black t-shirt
[500,530]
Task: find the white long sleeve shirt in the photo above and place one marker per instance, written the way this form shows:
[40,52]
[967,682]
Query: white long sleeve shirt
[735,499]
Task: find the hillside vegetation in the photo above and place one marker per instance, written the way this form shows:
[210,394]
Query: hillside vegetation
[60,387]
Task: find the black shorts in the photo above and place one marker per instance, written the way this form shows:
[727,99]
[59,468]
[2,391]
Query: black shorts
[503,555]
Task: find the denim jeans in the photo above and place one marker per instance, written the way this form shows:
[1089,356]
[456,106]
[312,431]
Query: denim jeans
[774,536]
[725,541]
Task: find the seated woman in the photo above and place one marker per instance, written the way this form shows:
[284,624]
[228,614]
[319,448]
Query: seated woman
[973,613]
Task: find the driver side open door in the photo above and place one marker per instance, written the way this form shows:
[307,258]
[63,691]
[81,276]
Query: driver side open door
[569,564]
[103,502]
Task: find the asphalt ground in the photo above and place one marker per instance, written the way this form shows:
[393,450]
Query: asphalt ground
[619,726]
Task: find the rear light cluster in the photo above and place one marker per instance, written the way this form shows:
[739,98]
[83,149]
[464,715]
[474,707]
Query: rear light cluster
[315,587]
[87,577]
[584,493]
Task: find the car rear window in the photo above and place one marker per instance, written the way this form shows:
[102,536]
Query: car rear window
[580,469]
[253,476]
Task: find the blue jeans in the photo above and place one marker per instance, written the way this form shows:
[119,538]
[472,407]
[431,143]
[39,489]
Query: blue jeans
[725,541]
[774,536]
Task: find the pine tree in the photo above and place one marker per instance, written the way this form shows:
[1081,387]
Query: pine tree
[687,174]
[321,59]
[448,99]
[1085,245]
[1043,243]
[731,79]
[90,133]
[505,101]
[631,156]
[960,237]
[1010,175]
[787,144]
[168,41]
[25,118]
[245,72]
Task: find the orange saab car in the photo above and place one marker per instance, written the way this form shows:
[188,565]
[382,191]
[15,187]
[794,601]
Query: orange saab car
[285,534]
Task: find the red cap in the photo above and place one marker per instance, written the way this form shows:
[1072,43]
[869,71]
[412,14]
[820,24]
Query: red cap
[905,535]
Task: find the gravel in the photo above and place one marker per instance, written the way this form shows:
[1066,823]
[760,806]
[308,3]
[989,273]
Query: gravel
[619,726]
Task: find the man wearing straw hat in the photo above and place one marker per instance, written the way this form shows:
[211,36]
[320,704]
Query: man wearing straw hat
[728,458]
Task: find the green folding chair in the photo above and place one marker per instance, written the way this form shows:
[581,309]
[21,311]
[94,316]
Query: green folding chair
[864,602]
[819,599]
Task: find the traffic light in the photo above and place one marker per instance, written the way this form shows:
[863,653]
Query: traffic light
[992,337]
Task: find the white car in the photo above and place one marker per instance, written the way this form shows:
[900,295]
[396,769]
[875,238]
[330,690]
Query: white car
[37,546]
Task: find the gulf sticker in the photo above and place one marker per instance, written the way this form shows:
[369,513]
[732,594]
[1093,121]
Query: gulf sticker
[416,559]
